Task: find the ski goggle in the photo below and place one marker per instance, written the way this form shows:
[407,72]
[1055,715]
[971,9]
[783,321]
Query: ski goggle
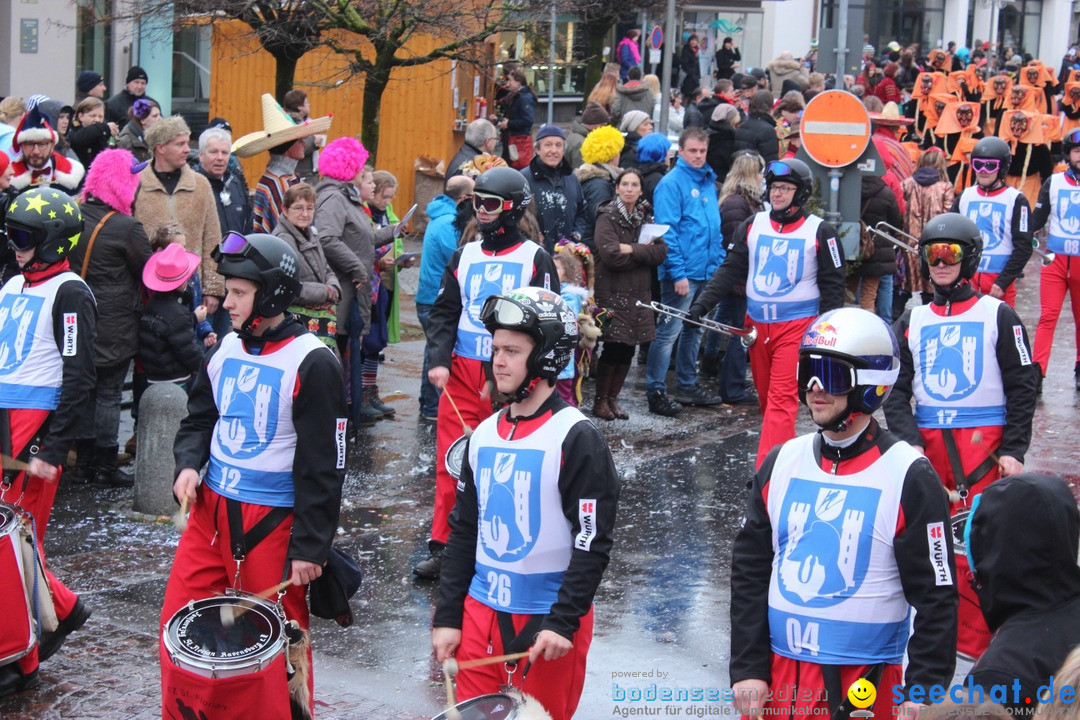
[504,312]
[981,165]
[491,204]
[232,244]
[20,238]
[835,376]
[948,253]
[778,168]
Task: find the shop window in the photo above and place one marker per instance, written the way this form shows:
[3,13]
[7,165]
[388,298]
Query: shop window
[93,39]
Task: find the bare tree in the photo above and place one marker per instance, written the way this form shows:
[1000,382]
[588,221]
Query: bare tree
[377,35]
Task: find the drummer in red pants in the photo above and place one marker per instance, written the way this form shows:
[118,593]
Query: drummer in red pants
[267,415]
[793,267]
[47,328]
[458,344]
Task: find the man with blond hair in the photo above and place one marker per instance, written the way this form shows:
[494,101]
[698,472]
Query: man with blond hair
[171,192]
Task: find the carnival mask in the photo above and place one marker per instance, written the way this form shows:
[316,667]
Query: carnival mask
[1074,93]
[938,106]
[927,84]
[1018,95]
[964,115]
[1019,125]
[1033,75]
[1000,85]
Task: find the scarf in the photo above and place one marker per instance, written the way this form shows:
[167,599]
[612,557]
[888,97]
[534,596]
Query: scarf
[635,218]
[634,52]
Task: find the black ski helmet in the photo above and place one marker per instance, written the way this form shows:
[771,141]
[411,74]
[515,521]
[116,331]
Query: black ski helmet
[791,171]
[512,187]
[953,228]
[994,148]
[1071,140]
[544,316]
[47,220]
[268,262]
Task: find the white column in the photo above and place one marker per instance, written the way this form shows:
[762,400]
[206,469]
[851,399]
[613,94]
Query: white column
[51,70]
[954,28]
[981,28]
[788,25]
[1054,31]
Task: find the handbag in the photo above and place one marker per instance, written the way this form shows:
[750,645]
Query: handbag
[520,151]
[331,591]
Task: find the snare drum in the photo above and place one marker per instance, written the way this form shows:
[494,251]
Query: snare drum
[485,707]
[17,566]
[199,642]
[455,457]
[237,672]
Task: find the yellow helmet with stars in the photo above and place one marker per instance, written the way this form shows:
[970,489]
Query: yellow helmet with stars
[46,220]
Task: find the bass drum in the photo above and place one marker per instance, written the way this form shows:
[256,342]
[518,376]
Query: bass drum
[485,707]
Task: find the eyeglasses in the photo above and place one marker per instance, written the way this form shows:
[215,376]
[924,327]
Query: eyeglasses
[781,189]
[948,253]
[491,204]
[506,313]
[833,375]
[20,238]
[36,143]
[981,165]
[303,209]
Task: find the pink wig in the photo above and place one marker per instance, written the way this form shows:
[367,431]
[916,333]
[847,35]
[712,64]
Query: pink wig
[113,178]
[342,159]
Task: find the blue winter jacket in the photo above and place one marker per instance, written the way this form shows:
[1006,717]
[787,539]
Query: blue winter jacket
[686,200]
[440,242]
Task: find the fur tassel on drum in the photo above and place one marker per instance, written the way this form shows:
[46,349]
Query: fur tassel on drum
[529,707]
[299,670]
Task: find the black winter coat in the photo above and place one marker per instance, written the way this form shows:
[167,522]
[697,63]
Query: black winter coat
[688,63]
[88,140]
[114,274]
[721,148]
[734,211]
[167,347]
[879,204]
[560,202]
[598,186]
[236,216]
[628,156]
[725,62]
[651,175]
[758,133]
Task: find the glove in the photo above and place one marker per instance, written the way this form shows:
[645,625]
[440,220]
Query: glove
[696,312]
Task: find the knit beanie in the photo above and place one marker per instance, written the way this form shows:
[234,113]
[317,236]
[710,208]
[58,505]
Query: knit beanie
[88,80]
[547,131]
[136,73]
[632,119]
[595,114]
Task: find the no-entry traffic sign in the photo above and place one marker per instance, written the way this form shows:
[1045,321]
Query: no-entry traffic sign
[835,128]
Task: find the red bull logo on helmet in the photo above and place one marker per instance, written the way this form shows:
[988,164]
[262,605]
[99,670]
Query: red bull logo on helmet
[821,334]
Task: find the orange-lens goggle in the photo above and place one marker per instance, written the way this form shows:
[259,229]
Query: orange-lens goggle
[948,253]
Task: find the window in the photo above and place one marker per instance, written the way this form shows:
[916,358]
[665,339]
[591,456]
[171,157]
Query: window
[93,40]
[191,64]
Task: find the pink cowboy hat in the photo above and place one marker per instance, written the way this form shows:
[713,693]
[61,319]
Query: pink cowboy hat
[169,269]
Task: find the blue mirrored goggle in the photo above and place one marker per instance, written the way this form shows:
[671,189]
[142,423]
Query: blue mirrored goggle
[232,244]
[835,376]
[778,168]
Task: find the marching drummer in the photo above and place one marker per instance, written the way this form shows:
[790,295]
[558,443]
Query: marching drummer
[1002,214]
[966,360]
[531,531]
[793,267]
[846,530]
[48,325]
[267,410]
[458,345]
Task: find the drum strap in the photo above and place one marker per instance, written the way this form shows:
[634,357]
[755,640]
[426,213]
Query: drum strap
[241,542]
[515,642]
[838,703]
[962,481]
[19,461]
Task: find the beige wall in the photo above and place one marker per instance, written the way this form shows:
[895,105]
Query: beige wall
[51,71]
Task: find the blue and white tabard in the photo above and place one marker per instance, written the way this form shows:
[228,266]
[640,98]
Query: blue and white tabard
[994,217]
[957,381]
[31,365]
[1064,238]
[480,276]
[525,540]
[782,282]
[254,441]
[835,596]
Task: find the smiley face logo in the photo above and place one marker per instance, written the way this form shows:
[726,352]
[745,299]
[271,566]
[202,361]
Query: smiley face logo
[862,693]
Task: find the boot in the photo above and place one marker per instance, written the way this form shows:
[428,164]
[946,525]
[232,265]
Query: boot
[107,475]
[602,404]
[377,403]
[617,380]
[367,414]
[431,567]
[85,462]
[1076,374]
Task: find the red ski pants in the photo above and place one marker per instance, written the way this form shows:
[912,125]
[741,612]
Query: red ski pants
[774,361]
[983,281]
[1059,277]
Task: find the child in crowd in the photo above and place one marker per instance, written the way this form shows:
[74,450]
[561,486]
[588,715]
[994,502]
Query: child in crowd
[571,282]
[172,330]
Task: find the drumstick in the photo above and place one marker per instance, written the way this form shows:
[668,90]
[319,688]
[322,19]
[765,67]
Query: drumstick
[453,666]
[180,518]
[464,427]
[10,463]
[230,612]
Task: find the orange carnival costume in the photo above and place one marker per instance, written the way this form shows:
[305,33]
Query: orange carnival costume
[995,101]
[1031,164]
[959,124]
[926,84]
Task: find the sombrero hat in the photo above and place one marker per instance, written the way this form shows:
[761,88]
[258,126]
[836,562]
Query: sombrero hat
[278,128]
[890,115]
